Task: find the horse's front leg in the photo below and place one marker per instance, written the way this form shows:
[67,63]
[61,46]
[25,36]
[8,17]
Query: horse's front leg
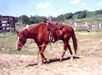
[42,49]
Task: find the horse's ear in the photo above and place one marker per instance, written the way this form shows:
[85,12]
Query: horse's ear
[16,31]
[25,32]
[56,23]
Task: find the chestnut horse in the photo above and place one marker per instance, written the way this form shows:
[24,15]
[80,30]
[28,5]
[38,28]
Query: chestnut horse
[40,33]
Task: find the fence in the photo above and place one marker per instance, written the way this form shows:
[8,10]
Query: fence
[87,26]
[7,24]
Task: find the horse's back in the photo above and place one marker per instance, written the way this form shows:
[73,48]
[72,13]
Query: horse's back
[68,28]
[37,27]
[41,31]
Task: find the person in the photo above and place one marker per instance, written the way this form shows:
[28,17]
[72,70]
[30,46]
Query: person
[50,27]
[50,19]
[45,20]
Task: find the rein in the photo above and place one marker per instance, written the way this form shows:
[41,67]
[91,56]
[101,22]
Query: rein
[42,45]
[23,45]
[28,44]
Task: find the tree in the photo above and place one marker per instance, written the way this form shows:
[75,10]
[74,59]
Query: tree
[25,19]
[60,17]
[33,20]
[78,12]
[82,14]
[40,18]
[16,19]
[68,16]
[98,12]
[36,19]
[0,16]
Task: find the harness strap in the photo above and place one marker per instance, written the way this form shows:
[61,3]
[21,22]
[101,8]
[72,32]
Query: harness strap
[28,44]
[42,45]
[51,38]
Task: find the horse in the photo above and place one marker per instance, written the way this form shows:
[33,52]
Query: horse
[40,33]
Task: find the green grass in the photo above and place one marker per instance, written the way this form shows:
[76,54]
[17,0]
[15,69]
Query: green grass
[89,35]
[14,51]
[88,41]
[8,43]
[90,14]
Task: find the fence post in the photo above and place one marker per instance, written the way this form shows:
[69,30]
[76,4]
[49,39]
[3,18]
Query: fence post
[100,26]
[75,24]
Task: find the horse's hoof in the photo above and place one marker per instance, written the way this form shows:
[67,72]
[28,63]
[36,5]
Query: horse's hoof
[44,61]
[47,60]
[76,56]
[61,59]
[40,63]
[71,58]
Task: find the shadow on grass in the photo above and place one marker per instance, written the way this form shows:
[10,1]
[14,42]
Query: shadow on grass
[52,61]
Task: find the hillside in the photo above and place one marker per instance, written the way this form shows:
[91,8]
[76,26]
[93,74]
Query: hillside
[62,17]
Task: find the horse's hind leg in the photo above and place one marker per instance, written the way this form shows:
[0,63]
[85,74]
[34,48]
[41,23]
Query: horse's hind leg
[65,48]
[66,45]
[70,50]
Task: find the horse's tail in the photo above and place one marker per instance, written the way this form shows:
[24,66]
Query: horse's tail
[74,42]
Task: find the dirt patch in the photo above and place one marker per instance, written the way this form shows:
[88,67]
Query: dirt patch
[26,65]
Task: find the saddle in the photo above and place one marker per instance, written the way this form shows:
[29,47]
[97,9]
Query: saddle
[52,27]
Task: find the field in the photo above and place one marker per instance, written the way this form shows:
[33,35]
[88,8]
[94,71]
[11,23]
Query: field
[25,62]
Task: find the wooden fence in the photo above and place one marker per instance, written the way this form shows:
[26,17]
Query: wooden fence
[7,24]
[87,26]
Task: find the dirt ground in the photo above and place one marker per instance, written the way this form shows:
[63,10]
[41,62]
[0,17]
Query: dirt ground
[27,65]
[89,63]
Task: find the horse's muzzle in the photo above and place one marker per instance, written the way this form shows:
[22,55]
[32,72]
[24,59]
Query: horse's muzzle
[19,49]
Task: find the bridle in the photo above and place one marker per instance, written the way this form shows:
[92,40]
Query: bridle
[20,43]
[23,45]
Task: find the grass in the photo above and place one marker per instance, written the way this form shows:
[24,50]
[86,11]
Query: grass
[8,45]
[86,42]
[13,51]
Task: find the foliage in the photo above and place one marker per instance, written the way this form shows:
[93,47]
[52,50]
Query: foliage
[16,19]
[0,16]
[60,17]
[32,19]
[25,19]
[77,15]
[98,11]
[90,14]
[68,15]
[82,15]
[39,19]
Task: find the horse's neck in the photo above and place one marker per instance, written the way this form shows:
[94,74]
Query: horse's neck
[33,31]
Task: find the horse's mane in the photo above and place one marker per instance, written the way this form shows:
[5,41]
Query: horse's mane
[34,25]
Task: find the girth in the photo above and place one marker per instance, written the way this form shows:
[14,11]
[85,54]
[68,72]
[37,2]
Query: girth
[52,27]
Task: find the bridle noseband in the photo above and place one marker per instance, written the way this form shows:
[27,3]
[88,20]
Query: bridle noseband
[20,43]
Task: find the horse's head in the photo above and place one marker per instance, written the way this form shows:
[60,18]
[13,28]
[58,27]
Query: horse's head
[21,39]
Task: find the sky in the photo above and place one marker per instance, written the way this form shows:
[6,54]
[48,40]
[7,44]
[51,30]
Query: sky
[46,7]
